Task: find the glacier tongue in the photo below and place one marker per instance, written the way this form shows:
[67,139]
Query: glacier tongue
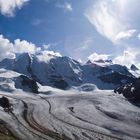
[71,114]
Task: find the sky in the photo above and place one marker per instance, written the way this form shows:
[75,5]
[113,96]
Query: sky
[85,29]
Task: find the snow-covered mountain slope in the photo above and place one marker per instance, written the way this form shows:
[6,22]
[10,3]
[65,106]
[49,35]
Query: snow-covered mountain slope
[106,76]
[11,81]
[64,72]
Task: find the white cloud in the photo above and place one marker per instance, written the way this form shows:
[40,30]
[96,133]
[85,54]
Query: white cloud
[104,19]
[66,6]
[125,35]
[51,53]
[24,46]
[86,44]
[128,57]
[94,57]
[46,46]
[47,55]
[8,7]
[110,19]
[6,48]
[139,36]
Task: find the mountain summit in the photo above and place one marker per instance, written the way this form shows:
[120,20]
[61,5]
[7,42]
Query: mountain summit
[133,68]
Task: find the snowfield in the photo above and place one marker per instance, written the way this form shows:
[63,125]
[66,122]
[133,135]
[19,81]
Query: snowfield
[71,115]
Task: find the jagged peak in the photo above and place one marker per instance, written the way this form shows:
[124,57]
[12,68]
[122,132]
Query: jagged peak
[133,68]
[100,61]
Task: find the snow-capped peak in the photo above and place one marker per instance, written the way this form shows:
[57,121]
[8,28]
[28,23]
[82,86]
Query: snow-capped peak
[100,62]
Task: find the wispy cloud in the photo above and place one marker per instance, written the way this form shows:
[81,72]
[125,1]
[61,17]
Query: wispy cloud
[8,7]
[138,36]
[110,19]
[66,6]
[46,46]
[37,22]
[79,47]
[85,44]
[125,34]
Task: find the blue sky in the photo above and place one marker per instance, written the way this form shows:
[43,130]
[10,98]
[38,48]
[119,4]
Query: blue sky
[89,29]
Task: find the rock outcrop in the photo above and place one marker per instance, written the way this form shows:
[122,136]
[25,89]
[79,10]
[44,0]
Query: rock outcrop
[131,91]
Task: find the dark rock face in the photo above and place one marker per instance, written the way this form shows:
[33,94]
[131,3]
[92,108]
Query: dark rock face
[131,91]
[27,84]
[4,102]
[59,82]
[116,78]
[133,67]
[7,63]
[62,84]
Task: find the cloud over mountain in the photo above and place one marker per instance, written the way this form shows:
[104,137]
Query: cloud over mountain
[21,46]
[9,49]
[95,57]
[128,57]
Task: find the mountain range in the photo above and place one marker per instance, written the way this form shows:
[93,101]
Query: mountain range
[65,72]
